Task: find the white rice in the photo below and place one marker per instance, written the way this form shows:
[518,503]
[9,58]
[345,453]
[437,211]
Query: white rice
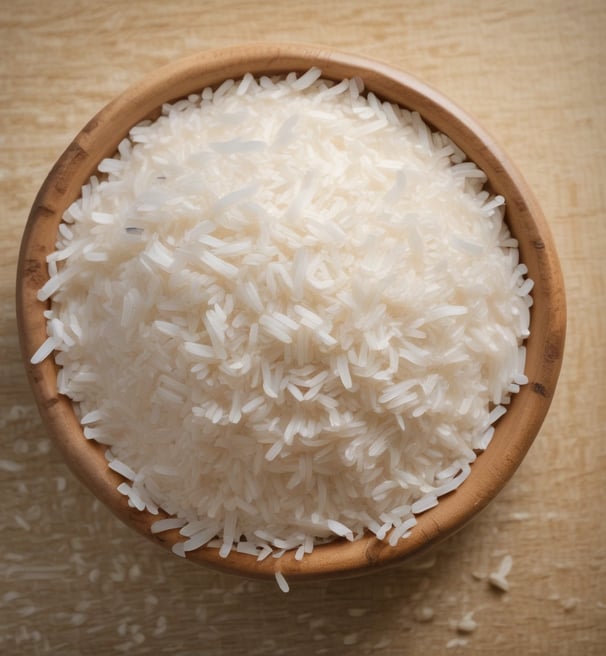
[291,312]
[281,581]
[498,578]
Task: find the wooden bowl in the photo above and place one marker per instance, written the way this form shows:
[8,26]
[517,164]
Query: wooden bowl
[514,432]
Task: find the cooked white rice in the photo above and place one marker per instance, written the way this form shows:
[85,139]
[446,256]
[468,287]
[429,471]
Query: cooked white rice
[291,313]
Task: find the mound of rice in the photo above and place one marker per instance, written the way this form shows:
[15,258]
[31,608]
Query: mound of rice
[290,311]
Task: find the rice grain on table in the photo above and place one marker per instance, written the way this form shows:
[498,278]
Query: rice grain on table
[290,311]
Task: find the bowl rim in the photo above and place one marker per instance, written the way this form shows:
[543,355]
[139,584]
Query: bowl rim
[515,431]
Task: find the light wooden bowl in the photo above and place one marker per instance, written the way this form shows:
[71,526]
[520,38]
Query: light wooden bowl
[515,432]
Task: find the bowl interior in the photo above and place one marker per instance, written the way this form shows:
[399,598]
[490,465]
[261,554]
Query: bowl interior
[514,432]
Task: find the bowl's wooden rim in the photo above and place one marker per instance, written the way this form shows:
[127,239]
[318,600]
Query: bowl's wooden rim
[515,432]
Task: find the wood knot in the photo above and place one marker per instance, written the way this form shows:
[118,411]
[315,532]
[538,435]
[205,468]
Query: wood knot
[34,271]
[539,389]
[91,125]
[552,352]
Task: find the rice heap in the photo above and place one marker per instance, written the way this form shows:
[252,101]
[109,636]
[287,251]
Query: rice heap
[291,313]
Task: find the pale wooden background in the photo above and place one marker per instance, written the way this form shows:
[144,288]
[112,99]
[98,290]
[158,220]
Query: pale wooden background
[75,581]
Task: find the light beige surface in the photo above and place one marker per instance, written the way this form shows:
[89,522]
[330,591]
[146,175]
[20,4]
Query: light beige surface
[73,580]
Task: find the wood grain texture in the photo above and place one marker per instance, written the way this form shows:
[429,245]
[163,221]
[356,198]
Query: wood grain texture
[74,580]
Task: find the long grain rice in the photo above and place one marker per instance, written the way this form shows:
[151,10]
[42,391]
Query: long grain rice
[291,312]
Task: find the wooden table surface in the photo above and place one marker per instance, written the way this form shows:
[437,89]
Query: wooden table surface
[73,580]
